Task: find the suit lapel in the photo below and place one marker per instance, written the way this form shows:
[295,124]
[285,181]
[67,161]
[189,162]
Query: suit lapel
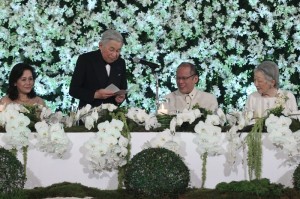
[114,72]
[99,66]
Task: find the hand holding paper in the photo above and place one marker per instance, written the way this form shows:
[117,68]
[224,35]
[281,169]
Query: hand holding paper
[116,90]
[103,94]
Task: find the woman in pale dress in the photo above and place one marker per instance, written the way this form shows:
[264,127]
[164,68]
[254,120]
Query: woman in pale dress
[268,94]
[21,86]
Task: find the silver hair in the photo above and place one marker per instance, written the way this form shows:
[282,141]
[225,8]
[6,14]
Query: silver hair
[270,70]
[111,35]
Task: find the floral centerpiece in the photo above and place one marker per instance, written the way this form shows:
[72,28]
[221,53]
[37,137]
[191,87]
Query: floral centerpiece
[208,141]
[51,138]
[165,139]
[107,150]
[282,136]
[16,126]
[17,131]
[142,118]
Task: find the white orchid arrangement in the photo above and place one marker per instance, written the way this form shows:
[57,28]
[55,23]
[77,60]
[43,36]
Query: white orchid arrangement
[208,136]
[16,126]
[50,132]
[165,139]
[107,150]
[235,143]
[89,115]
[240,119]
[186,116]
[208,140]
[141,117]
[51,138]
[282,137]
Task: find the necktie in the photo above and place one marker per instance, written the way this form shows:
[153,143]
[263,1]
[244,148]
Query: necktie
[107,69]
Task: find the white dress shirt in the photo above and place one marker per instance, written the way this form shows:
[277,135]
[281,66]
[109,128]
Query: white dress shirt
[177,101]
[107,69]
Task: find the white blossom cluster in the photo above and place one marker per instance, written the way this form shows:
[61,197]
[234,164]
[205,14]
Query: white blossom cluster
[107,150]
[16,126]
[141,117]
[240,118]
[186,116]
[88,115]
[165,139]
[51,138]
[208,136]
[281,136]
[235,143]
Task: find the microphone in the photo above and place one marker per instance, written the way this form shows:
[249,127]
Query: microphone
[144,62]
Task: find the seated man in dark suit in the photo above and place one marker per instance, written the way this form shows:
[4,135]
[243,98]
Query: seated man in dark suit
[98,69]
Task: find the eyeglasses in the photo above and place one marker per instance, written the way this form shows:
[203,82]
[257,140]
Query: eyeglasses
[184,78]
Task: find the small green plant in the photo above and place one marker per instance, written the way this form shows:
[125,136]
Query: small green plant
[12,176]
[296,178]
[156,173]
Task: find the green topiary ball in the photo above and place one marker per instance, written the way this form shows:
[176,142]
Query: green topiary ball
[156,172]
[12,176]
[296,178]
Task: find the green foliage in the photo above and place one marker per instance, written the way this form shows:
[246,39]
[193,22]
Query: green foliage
[16,194]
[66,189]
[156,172]
[33,114]
[12,176]
[295,125]
[164,120]
[254,144]
[126,133]
[296,178]
[277,111]
[204,162]
[259,187]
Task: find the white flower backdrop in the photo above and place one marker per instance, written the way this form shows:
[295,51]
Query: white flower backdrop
[225,39]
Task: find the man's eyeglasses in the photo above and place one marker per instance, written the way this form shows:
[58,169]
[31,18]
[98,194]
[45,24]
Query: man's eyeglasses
[184,78]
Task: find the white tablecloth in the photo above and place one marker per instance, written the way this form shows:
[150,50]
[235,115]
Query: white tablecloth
[44,170]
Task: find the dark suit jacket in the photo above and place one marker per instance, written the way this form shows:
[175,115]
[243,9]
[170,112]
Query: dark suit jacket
[90,75]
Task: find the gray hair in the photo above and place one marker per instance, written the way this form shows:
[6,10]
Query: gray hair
[111,35]
[270,70]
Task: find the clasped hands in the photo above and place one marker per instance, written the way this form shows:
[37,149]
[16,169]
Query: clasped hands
[104,94]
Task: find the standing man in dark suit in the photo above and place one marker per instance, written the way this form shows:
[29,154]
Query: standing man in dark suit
[96,70]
